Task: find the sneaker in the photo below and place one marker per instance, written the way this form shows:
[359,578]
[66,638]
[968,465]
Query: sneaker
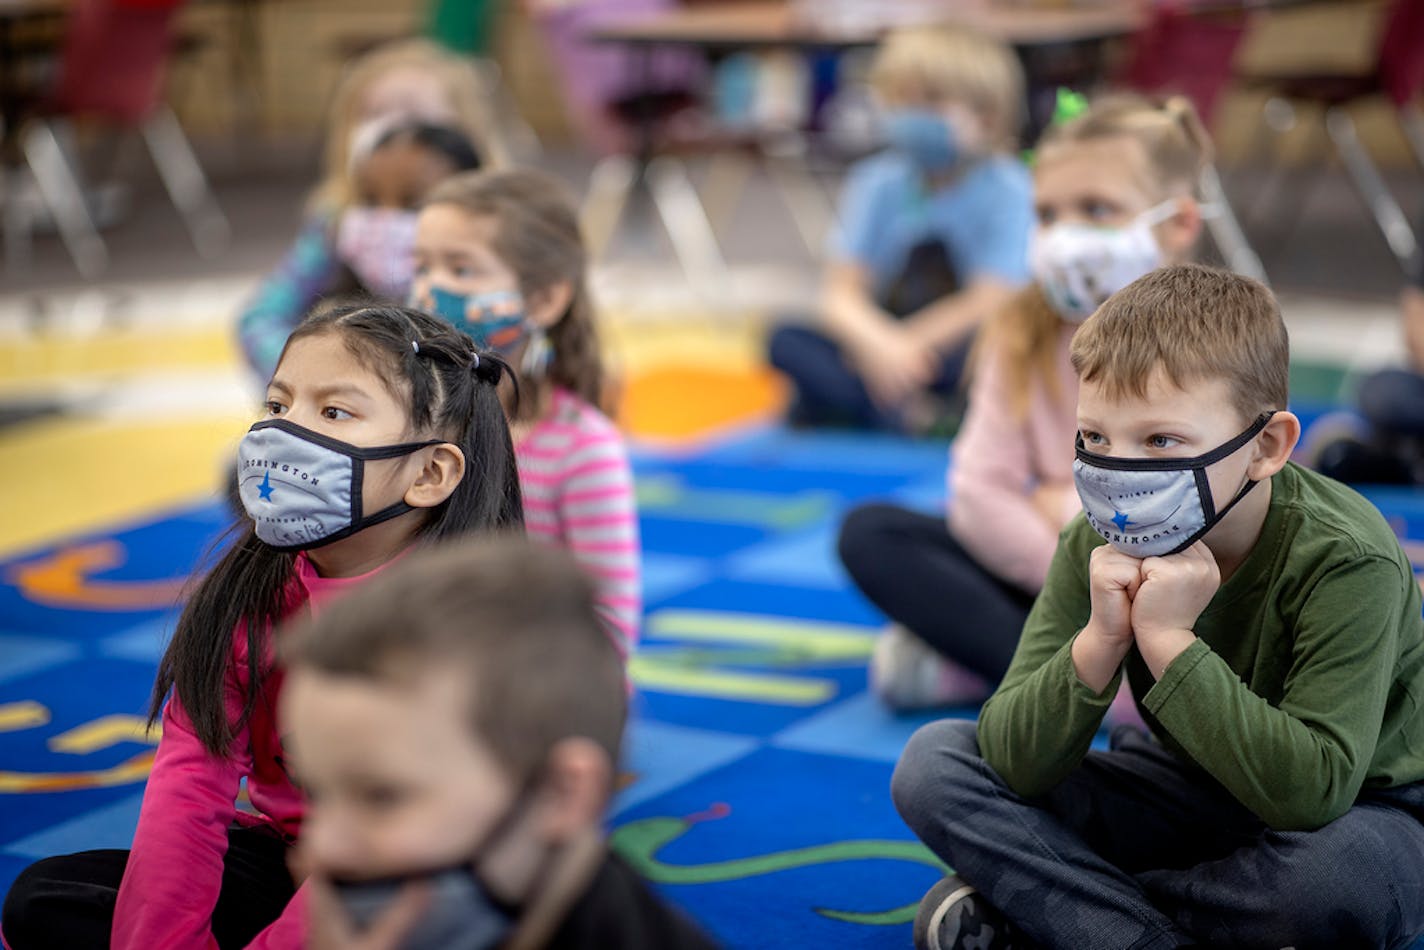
[954,916]
[908,675]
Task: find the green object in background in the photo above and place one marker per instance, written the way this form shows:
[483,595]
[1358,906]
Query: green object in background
[1069,106]
[464,26]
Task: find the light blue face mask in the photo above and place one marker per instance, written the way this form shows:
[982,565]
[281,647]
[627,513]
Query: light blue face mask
[494,319]
[926,136]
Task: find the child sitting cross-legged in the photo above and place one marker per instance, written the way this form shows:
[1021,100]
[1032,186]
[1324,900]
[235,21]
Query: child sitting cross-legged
[456,726]
[1270,626]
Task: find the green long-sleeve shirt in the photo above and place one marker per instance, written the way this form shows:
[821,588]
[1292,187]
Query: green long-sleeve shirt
[1305,685]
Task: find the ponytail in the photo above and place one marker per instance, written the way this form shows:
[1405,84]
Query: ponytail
[451,391]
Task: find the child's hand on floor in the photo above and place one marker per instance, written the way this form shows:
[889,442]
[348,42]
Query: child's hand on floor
[1174,592]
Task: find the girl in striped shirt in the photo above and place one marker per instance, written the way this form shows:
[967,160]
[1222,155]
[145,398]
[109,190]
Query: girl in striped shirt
[499,255]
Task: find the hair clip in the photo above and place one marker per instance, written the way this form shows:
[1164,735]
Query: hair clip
[1068,105]
[474,362]
[415,346]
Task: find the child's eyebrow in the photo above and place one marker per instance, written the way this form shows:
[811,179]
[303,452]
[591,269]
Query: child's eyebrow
[340,389]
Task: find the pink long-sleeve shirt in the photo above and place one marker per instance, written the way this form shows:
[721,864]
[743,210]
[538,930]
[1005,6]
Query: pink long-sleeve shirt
[999,459]
[174,872]
[578,494]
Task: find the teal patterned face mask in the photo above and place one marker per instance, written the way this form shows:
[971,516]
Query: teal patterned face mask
[495,319]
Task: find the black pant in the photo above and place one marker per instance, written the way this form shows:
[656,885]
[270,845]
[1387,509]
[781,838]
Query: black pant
[67,902]
[913,569]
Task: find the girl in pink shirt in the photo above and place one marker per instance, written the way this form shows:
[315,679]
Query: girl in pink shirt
[383,430]
[1114,196]
[499,255]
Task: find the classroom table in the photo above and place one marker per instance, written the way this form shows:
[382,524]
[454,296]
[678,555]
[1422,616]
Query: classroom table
[760,24]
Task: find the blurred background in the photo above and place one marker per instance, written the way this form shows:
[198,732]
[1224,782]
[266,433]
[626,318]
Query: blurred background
[159,159]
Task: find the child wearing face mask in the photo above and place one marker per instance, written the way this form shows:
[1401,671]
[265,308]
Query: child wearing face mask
[499,255]
[1270,625]
[384,431]
[404,83]
[1114,194]
[475,687]
[931,239]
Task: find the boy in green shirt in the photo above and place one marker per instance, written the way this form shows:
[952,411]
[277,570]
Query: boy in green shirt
[1270,627]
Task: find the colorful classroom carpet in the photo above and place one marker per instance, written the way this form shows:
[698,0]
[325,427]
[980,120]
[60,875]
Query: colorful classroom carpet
[757,768]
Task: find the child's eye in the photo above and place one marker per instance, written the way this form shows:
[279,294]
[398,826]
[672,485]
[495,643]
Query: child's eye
[1099,211]
[1045,216]
[274,408]
[1161,442]
[335,414]
[1092,438]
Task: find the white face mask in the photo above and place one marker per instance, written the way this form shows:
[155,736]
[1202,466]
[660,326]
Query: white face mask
[1078,266]
[1154,507]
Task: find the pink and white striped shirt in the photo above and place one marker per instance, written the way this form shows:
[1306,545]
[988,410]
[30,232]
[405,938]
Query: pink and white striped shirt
[578,493]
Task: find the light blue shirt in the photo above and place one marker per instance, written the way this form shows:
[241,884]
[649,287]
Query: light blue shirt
[983,219]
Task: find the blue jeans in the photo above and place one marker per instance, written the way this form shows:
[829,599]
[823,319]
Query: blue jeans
[829,391]
[1136,849]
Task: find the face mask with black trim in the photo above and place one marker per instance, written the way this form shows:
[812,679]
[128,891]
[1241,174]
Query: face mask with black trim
[1154,507]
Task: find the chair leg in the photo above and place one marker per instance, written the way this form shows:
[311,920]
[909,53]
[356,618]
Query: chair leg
[686,222]
[60,188]
[1411,120]
[518,140]
[1387,213]
[722,189]
[1226,229]
[811,209]
[186,184]
[609,185]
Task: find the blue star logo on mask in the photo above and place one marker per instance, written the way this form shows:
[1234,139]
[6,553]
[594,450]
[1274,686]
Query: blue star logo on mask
[1121,520]
[265,489]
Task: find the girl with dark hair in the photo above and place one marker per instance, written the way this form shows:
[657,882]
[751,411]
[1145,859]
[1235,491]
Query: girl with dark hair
[499,255]
[383,431]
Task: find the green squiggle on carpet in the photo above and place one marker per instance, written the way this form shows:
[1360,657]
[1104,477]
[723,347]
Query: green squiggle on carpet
[640,841]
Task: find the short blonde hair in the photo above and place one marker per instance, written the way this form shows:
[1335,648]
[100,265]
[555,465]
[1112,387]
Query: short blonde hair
[461,84]
[942,63]
[1196,324]
[1173,139]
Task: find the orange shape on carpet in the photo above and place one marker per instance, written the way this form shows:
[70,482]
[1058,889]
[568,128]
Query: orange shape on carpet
[691,403]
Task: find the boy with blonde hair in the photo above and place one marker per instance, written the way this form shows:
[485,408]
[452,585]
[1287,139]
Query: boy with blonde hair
[932,238]
[1269,625]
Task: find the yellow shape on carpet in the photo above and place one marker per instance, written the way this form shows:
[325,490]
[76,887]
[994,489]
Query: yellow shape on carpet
[75,475]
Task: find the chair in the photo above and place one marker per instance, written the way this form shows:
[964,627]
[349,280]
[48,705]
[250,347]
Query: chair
[1398,75]
[1188,50]
[112,69]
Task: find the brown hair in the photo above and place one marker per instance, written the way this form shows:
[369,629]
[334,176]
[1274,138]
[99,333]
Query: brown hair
[515,617]
[946,63]
[1176,145]
[463,89]
[537,235]
[1196,323]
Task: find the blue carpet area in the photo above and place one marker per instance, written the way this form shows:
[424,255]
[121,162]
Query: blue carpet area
[757,766]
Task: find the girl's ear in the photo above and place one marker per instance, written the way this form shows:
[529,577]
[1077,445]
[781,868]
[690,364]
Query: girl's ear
[438,478]
[1274,446]
[1179,233]
[546,306]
